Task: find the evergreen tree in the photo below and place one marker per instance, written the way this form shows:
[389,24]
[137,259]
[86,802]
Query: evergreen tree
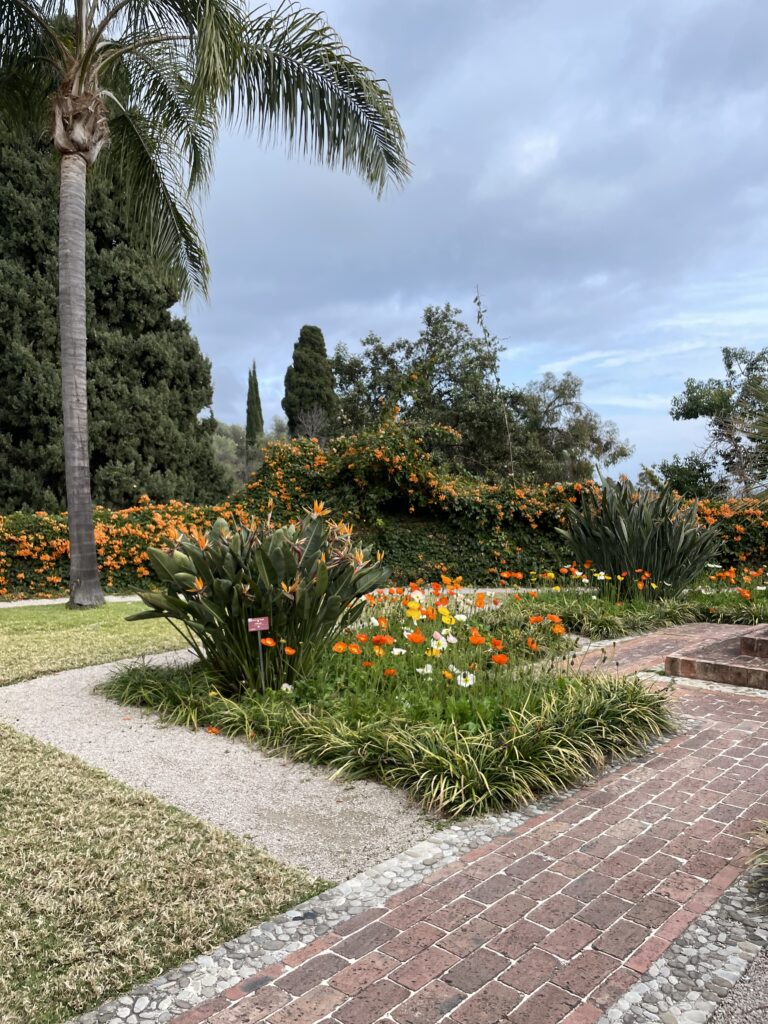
[148,382]
[254,418]
[310,401]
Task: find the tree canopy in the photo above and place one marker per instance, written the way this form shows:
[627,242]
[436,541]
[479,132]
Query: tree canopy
[448,376]
[310,403]
[149,382]
[254,417]
[735,454]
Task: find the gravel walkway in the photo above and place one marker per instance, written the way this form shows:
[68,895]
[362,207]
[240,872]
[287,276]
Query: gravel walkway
[747,1002]
[295,812]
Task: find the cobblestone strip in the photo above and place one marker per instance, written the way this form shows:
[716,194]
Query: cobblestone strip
[686,984]
[552,923]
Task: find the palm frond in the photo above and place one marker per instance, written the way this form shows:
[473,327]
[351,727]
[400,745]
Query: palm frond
[157,81]
[158,201]
[24,24]
[30,63]
[295,78]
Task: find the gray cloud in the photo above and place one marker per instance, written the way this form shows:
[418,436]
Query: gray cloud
[599,170]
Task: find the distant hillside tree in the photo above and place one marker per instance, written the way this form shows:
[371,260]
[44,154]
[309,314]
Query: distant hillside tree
[310,400]
[148,382]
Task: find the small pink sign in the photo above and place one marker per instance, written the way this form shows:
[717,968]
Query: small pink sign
[260,625]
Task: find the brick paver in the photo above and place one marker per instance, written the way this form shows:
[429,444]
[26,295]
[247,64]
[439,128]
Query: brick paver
[557,920]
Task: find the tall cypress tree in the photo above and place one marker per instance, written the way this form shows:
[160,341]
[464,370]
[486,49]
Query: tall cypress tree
[309,395]
[254,418]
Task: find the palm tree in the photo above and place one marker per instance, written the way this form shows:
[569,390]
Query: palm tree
[139,89]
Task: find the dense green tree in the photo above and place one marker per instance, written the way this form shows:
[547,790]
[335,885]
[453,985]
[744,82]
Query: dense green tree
[148,380]
[310,401]
[729,406]
[694,476]
[254,418]
[449,377]
[140,88]
[555,435]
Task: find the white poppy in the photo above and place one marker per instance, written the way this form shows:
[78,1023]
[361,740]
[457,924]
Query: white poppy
[398,650]
[465,679]
[426,671]
[287,687]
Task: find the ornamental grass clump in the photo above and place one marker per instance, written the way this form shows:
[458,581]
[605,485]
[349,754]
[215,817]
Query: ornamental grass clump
[307,578]
[643,544]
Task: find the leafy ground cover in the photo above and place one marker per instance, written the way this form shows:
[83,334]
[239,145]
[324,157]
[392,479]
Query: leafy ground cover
[446,696]
[104,887]
[50,638]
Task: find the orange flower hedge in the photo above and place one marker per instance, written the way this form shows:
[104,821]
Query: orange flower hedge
[428,522]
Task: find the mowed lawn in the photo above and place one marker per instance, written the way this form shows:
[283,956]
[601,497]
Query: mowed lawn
[104,887]
[38,640]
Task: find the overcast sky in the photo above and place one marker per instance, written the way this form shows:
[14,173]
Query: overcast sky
[597,167]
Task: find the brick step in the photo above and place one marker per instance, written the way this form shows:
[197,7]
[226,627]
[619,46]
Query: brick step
[720,662]
[754,644]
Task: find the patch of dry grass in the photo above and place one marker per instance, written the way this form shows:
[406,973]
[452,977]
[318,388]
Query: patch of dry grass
[38,640]
[104,887]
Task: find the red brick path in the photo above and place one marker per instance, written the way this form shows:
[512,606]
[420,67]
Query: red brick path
[556,920]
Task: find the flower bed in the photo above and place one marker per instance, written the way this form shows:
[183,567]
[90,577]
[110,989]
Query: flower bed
[444,695]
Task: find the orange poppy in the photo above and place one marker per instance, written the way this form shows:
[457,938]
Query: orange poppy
[367,664]
[362,637]
[497,644]
[355,649]
[532,645]
[290,651]
[416,637]
[389,672]
[213,730]
[382,638]
[558,629]
[339,647]
[480,601]
[554,618]
[268,641]
[500,659]
[535,619]
[475,639]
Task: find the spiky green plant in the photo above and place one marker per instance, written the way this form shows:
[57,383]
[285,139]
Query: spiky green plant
[307,578]
[625,531]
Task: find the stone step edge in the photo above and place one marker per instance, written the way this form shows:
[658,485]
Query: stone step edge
[688,665]
[755,642]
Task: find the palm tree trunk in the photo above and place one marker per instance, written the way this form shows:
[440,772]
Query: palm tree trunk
[84,587]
